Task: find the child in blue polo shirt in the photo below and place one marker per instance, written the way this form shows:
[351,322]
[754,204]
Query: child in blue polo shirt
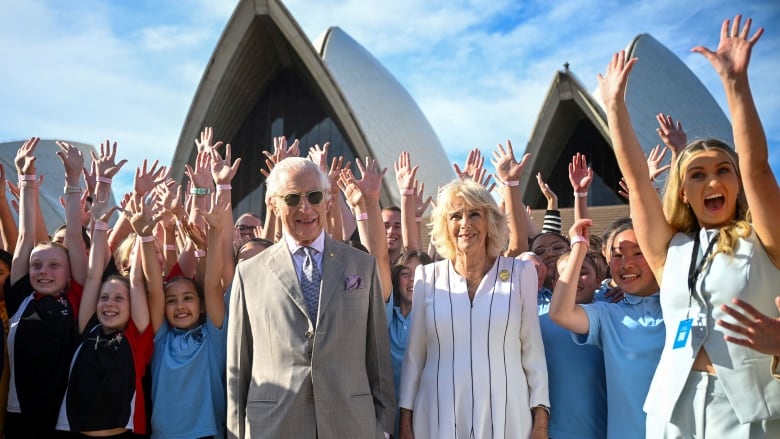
[630,333]
[190,351]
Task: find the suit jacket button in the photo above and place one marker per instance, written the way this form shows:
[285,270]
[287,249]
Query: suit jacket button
[309,334]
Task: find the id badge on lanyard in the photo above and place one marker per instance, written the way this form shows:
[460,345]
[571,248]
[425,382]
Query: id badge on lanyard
[685,325]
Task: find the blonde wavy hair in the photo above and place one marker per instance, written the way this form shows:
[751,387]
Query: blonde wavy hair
[469,194]
[680,215]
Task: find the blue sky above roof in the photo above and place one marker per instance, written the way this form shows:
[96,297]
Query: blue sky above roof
[479,69]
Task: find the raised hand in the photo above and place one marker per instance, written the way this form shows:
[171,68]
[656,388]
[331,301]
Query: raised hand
[549,194]
[90,176]
[580,174]
[756,330]
[474,163]
[672,133]
[654,160]
[101,210]
[71,158]
[25,157]
[732,56]
[105,165]
[507,168]
[420,203]
[200,176]
[613,83]
[319,155]
[142,214]
[219,214]
[370,182]
[581,227]
[169,201]
[222,172]
[204,142]
[405,173]
[145,180]
[281,152]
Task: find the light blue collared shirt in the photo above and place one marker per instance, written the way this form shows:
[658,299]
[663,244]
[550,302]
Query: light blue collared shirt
[631,333]
[298,258]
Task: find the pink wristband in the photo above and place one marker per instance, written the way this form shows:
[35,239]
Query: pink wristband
[28,177]
[171,247]
[407,191]
[149,238]
[362,216]
[512,183]
[101,225]
[200,253]
[224,187]
[580,238]
[103,179]
[418,219]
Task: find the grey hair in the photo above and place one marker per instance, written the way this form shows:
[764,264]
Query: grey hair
[279,175]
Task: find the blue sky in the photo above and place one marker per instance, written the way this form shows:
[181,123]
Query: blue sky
[479,69]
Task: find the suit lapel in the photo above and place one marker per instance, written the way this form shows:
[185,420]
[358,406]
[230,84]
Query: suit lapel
[332,273]
[280,264]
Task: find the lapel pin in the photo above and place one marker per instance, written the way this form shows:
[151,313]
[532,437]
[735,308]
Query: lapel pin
[504,275]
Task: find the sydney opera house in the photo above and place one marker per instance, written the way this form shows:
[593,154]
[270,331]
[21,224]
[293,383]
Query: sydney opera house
[266,79]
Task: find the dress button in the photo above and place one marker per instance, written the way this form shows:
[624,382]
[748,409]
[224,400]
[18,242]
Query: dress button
[309,334]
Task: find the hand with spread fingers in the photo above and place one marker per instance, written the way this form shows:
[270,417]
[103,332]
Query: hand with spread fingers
[754,329]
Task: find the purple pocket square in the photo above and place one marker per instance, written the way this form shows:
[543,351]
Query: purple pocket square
[354,282]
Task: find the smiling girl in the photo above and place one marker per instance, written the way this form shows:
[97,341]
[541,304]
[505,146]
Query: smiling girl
[705,253]
[105,397]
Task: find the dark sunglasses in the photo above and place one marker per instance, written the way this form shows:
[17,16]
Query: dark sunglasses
[292,200]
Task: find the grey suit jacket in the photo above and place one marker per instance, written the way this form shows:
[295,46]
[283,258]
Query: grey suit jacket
[286,379]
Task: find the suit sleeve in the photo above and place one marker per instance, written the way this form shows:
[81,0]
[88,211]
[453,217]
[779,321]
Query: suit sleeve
[239,358]
[532,350]
[378,365]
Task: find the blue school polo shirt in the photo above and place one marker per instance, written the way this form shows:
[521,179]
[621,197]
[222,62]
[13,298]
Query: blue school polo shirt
[578,388]
[398,329]
[631,334]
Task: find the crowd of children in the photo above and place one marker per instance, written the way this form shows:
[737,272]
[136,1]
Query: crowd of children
[115,325]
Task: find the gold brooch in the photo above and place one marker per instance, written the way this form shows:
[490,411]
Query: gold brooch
[504,275]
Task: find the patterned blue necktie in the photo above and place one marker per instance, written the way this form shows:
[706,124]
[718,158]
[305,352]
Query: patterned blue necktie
[310,283]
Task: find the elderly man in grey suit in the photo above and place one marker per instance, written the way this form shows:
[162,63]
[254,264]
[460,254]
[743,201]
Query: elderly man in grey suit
[308,350]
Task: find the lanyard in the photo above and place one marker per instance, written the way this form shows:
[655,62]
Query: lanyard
[695,270]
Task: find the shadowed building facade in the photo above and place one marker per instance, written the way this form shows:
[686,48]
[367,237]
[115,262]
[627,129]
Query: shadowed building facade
[266,79]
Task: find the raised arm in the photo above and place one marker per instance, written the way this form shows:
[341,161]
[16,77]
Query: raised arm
[101,212]
[9,231]
[405,178]
[77,251]
[28,191]
[652,230]
[731,60]
[563,309]
[223,172]
[672,134]
[106,168]
[139,301]
[218,218]
[509,171]
[552,215]
[580,177]
[142,218]
[363,195]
